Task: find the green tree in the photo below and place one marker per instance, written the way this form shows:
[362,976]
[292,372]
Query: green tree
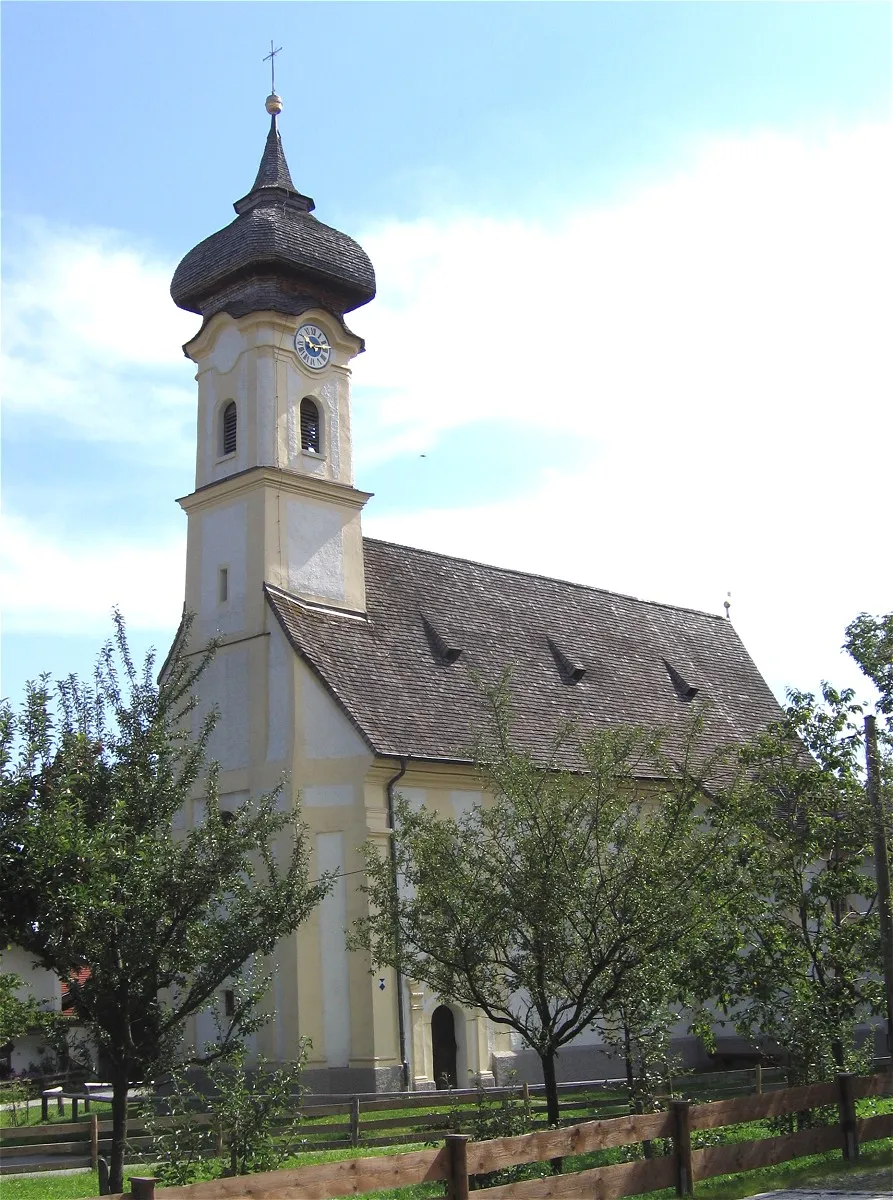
[538,907]
[91,779]
[869,641]
[254,1112]
[805,968]
[638,1028]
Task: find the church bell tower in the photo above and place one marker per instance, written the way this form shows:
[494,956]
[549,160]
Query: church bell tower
[274,500]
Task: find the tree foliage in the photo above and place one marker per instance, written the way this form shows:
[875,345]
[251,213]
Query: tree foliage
[805,970]
[255,1118]
[539,907]
[93,779]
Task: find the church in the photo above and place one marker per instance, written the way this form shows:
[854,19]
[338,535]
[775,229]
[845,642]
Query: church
[349,665]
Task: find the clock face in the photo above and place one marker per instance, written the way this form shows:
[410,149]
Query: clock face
[312,347]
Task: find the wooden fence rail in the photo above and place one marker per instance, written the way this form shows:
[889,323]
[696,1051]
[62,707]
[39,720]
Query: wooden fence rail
[460,1159]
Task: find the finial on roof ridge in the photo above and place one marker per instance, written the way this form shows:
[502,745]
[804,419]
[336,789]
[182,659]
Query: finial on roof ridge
[273,104]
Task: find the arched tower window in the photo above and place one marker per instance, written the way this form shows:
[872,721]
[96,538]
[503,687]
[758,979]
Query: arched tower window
[310,426]
[229,426]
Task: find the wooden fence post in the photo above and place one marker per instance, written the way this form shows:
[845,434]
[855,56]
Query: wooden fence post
[355,1121]
[94,1141]
[682,1146]
[457,1155]
[142,1187]
[847,1106]
[758,1078]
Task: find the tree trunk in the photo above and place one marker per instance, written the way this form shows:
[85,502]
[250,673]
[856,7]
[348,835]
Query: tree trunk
[837,1053]
[635,1095]
[547,1060]
[120,1084]
[628,1060]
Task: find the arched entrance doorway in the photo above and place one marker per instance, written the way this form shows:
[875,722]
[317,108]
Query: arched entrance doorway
[443,1042]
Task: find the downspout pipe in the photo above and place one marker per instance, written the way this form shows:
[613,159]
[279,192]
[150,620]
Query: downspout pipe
[401,1020]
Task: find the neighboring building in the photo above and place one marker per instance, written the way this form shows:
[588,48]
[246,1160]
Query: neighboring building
[30,1053]
[349,664]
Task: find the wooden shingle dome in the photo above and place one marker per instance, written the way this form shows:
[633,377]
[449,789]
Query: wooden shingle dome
[275,255]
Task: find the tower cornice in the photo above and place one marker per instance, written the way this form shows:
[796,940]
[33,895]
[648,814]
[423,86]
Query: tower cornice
[305,486]
[344,339]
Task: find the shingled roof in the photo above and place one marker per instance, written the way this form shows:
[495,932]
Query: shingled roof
[408,673]
[275,244]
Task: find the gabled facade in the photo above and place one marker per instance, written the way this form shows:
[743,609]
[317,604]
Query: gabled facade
[348,664]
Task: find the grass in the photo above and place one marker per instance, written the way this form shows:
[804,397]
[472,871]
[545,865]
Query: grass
[68,1187]
[31,1116]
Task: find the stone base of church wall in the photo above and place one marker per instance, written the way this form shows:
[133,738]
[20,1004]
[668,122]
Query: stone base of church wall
[351,1081]
[585,1063]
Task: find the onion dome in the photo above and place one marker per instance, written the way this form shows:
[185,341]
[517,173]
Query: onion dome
[276,254]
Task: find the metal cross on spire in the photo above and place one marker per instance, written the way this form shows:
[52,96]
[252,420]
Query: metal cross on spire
[272,57]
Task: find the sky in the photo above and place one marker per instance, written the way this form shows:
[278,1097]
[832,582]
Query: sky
[632,329]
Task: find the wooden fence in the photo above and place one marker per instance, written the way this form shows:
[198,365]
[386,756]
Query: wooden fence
[459,1159]
[354,1121]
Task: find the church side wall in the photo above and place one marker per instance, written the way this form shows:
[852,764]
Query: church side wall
[337,1002]
[487,1051]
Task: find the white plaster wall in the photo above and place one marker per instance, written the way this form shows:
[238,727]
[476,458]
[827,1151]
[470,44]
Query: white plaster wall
[415,797]
[266,405]
[333,965]
[279,695]
[588,1037]
[315,549]
[223,544]
[226,350]
[225,687]
[230,801]
[331,795]
[205,1029]
[278,1000]
[463,802]
[326,731]
[38,983]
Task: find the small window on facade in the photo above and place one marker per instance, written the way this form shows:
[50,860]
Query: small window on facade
[223,585]
[310,430]
[228,429]
[229,1004]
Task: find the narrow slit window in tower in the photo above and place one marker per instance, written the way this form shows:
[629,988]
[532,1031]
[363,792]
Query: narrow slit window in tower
[228,429]
[223,585]
[310,430]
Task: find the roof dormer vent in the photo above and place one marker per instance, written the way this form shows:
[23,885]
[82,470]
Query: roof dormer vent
[571,671]
[684,689]
[443,647]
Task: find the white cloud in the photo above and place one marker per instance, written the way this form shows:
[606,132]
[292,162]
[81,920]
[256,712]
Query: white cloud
[751,291]
[91,340]
[54,586]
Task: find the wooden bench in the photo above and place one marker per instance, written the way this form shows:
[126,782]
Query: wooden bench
[45,1097]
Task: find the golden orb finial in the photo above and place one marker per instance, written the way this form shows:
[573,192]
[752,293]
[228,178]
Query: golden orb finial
[273,104]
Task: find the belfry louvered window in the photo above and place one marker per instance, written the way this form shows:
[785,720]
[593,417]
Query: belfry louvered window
[310,430]
[229,429]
